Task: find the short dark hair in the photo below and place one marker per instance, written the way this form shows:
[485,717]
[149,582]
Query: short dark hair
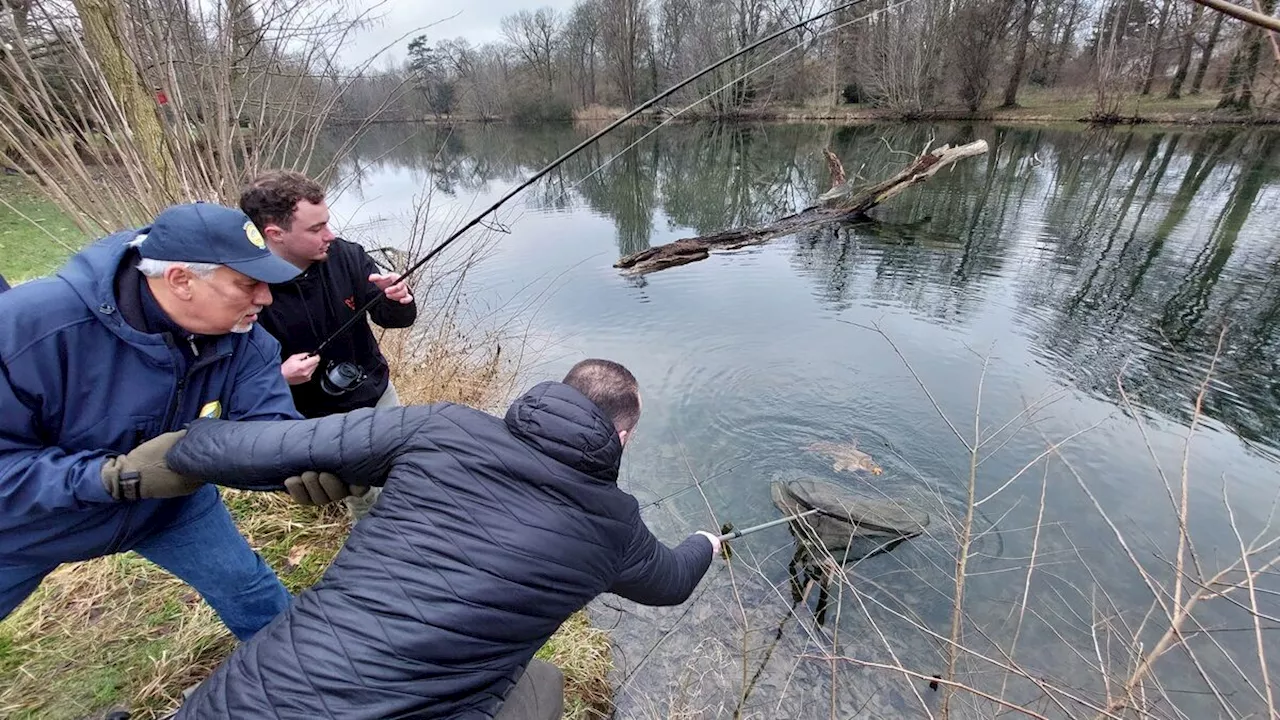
[611,387]
[273,196]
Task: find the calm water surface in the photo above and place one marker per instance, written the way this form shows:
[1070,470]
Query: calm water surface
[1062,261]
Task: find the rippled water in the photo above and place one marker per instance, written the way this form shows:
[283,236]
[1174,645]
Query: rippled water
[1061,261]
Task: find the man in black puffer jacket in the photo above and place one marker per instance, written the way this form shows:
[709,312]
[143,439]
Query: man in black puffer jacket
[489,534]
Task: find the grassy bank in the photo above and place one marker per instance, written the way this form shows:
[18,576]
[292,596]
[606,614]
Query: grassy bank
[119,632]
[1034,106]
[35,235]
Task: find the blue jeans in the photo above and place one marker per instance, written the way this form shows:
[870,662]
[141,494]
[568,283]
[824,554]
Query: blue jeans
[203,547]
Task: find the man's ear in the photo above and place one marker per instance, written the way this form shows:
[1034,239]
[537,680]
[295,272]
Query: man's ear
[178,279]
[623,435]
[273,232]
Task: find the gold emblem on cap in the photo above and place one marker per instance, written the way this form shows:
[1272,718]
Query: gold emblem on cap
[255,237]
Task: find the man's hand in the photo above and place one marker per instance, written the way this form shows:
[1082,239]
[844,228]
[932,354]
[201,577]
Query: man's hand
[715,541]
[298,369]
[392,287]
[142,473]
[319,488]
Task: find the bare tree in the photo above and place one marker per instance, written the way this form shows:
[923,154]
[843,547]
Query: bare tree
[180,100]
[1156,48]
[1244,66]
[625,36]
[977,30]
[535,35]
[581,36]
[905,76]
[1019,54]
[1184,54]
[1207,55]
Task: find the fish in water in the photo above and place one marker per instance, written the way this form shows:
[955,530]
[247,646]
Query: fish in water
[847,456]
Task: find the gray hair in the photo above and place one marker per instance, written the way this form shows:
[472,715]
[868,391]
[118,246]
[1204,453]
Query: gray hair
[157,268]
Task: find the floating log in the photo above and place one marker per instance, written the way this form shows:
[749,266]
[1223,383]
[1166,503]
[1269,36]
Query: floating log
[842,203]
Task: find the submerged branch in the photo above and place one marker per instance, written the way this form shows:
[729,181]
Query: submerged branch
[842,203]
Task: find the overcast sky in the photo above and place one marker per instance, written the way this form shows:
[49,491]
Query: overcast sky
[475,20]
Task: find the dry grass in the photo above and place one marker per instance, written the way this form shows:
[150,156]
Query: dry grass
[599,112]
[585,656]
[119,631]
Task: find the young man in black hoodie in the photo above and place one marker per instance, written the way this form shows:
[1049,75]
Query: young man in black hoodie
[338,277]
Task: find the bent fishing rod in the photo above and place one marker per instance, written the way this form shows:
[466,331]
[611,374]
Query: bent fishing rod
[574,151]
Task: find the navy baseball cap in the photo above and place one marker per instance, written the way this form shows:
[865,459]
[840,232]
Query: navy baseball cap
[209,233]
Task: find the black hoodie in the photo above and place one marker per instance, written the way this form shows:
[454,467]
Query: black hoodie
[305,310]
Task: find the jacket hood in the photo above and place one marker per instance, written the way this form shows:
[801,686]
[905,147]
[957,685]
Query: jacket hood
[562,423]
[92,271]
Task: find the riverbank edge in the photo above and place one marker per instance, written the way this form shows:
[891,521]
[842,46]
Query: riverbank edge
[853,115]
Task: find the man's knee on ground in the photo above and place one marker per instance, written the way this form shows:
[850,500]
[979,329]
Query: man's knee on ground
[539,695]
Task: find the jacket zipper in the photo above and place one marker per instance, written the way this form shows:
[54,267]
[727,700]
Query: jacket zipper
[183,382]
[176,402]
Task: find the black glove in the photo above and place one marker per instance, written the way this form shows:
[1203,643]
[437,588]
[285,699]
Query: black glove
[319,488]
[142,472]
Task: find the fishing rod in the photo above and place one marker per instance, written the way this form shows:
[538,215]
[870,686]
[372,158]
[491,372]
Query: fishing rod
[765,526]
[574,151]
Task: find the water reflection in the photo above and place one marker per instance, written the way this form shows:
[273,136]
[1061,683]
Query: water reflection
[1123,252]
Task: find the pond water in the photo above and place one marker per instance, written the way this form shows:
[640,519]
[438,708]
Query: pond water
[1065,264]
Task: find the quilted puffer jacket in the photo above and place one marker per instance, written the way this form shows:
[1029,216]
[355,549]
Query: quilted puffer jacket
[489,533]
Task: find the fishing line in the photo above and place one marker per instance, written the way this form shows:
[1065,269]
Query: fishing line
[570,153]
[693,486]
[744,76]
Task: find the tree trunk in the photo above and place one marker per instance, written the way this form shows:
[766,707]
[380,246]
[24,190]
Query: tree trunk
[20,9]
[1155,48]
[1184,58]
[591,69]
[1207,55]
[1251,58]
[841,203]
[104,36]
[1229,99]
[1020,55]
[1064,45]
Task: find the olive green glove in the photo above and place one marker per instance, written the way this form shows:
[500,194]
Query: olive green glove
[142,473]
[319,488]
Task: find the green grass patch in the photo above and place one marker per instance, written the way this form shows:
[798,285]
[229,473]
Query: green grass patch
[1075,105]
[26,222]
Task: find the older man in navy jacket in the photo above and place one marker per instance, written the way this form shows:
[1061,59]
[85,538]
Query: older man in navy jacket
[101,368]
[490,532]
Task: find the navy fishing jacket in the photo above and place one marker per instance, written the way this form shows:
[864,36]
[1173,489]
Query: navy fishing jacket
[79,383]
[489,533]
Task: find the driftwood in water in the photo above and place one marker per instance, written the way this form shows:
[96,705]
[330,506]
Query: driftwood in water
[841,203]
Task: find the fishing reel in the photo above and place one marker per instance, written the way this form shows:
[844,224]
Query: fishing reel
[340,378]
[725,551]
